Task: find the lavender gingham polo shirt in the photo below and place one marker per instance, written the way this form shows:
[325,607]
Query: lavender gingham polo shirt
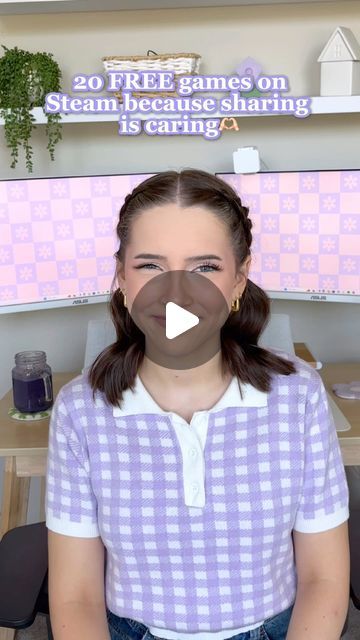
[197,518]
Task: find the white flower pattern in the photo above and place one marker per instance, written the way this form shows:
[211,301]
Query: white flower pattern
[350,181]
[328,244]
[17,191]
[308,182]
[48,290]
[329,203]
[308,223]
[328,284]
[288,203]
[4,255]
[270,262]
[22,233]
[289,243]
[41,211]
[100,187]
[269,183]
[82,208]
[349,265]
[26,273]
[59,188]
[63,230]
[350,224]
[67,269]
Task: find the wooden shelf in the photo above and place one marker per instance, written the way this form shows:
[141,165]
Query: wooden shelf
[320,105]
[13,7]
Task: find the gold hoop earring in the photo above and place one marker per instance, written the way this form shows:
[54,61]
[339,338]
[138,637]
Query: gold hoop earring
[235,305]
[124,296]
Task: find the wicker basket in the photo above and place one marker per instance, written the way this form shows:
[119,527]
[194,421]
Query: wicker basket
[180,63]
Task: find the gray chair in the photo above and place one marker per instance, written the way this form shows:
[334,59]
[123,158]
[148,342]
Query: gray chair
[24,577]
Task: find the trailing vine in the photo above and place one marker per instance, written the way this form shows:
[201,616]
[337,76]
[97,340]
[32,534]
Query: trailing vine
[25,79]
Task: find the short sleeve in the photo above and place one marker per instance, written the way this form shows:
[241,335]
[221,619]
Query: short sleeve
[324,502]
[70,504]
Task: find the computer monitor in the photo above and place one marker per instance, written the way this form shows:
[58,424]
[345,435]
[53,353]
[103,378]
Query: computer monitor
[306,232]
[58,238]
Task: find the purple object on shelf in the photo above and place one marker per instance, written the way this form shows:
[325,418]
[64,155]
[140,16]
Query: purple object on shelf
[249,67]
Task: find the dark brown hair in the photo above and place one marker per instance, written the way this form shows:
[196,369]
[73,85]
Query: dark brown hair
[115,368]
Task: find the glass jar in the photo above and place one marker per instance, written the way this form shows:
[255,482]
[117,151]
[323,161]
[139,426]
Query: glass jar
[32,382]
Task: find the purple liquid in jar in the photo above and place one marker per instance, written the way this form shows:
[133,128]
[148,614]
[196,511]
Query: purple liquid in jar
[32,382]
[29,395]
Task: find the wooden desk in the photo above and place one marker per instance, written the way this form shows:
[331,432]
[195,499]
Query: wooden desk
[349,440]
[24,447]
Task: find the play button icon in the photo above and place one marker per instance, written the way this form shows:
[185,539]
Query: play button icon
[178,320]
[180,314]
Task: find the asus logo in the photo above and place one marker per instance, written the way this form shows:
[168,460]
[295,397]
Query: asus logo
[318,298]
[81,301]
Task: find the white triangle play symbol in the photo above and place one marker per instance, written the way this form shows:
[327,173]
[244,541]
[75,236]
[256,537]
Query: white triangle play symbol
[178,320]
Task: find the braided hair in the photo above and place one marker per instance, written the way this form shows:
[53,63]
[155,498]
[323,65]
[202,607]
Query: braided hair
[115,369]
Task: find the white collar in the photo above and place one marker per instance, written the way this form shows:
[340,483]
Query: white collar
[140,401]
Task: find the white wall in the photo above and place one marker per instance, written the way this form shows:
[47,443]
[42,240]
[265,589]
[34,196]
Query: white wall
[287,40]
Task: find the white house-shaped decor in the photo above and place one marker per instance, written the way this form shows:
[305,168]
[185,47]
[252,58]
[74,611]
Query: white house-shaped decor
[340,64]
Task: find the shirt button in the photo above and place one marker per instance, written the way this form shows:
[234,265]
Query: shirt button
[193,453]
[195,487]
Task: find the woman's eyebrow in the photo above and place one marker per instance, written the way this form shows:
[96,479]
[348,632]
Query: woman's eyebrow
[154,256]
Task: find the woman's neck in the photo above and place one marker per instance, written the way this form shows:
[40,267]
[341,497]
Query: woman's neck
[171,381]
[185,391]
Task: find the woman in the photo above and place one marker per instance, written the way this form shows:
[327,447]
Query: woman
[213,494]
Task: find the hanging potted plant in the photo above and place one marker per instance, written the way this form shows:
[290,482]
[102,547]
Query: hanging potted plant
[25,79]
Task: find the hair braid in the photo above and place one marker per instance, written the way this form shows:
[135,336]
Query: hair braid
[243,217]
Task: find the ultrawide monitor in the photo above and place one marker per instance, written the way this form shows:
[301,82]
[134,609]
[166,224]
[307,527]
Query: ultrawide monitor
[57,236]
